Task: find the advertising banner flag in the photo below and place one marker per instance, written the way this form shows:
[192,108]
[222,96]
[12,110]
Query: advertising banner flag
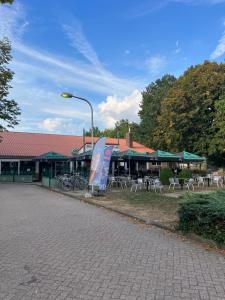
[97,162]
[105,167]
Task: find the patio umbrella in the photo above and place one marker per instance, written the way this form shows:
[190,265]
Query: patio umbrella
[164,156]
[51,156]
[132,154]
[190,157]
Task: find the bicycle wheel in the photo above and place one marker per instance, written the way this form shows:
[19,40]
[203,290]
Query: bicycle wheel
[67,186]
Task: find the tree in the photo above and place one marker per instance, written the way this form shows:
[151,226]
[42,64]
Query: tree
[9,109]
[150,107]
[96,131]
[118,131]
[6,1]
[190,114]
[217,146]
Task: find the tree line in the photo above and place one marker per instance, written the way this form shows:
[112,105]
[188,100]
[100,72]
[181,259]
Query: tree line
[185,113]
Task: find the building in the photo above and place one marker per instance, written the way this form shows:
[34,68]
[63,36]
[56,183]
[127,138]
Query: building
[27,156]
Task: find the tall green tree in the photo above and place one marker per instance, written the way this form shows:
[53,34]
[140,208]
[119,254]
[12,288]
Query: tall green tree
[189,112]
[9,109]
[122,127]
[6,1]
[217,145]
[151,105]
[118,131]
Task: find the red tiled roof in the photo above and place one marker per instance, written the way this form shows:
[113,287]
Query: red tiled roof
[23,144]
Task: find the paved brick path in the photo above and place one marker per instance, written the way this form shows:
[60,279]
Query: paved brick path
[54,247]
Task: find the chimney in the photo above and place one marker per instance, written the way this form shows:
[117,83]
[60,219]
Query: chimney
[129,139]
[118,136]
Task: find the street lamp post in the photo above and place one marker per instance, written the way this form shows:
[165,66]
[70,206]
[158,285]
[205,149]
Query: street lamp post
[69,95]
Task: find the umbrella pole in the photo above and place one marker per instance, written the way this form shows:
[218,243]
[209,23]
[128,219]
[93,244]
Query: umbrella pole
[129,166]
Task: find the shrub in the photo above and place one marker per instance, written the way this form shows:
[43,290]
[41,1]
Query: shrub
[185,173]
[204,214]
[200,172]
[165,174]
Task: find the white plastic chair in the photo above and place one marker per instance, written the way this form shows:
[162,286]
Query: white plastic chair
[134,185]
[189,183]
[140,183]
[200,181]
[112,181]
[218,180]
[174,182]
[157,185]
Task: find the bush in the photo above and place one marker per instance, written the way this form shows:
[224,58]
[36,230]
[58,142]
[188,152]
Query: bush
[200,172]
[185,173]
[165,174]
[204,214]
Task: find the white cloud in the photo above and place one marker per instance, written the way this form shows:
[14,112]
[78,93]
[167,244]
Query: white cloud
[40,76]
[60,125]
[220,48]
[115,108]
[178,49]
[156,63]
[80,42]
[70,113]
[90,76]
[149,6]
[13,23]
[51,124]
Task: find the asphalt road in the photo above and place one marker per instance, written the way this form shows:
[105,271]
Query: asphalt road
[55,247]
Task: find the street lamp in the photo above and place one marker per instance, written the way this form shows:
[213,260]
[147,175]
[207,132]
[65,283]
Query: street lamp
[69,95]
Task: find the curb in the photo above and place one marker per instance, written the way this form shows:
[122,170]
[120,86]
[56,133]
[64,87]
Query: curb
[116,210]
[191,237]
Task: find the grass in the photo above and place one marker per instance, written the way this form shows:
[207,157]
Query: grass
[147,205]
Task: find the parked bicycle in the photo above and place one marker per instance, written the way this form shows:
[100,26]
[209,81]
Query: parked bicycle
[69,182]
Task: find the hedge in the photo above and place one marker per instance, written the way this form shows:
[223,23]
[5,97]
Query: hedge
[185,173]
[204,214]
[165,174]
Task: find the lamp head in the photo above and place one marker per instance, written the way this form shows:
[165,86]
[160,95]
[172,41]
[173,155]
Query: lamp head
[66,95]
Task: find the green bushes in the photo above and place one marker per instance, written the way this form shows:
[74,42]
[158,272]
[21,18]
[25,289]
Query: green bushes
[185,173]
[204,214]
[165,174]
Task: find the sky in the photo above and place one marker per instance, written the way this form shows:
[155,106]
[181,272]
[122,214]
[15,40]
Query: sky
[107,51]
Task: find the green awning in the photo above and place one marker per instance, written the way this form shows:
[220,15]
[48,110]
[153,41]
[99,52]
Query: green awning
[132,154]
[115,155]
[51,156]
[164,155]
[187,156]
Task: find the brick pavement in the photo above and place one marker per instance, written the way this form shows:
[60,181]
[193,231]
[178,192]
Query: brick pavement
[54,247]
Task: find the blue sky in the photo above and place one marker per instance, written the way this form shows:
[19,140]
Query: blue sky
[106,51]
